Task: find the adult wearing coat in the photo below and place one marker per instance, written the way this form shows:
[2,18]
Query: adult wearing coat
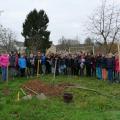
[4,62]
[110,67]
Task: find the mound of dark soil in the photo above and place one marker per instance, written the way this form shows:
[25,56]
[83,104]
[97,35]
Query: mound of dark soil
[40,87]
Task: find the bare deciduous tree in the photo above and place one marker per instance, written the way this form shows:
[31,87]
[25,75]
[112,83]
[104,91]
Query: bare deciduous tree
[66,43]
[7,39]
[88,41]
[105,24]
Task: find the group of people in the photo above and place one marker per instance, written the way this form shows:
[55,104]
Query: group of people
[104,67]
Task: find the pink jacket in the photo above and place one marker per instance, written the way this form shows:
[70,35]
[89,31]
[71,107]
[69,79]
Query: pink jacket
[4,60]
[117,66]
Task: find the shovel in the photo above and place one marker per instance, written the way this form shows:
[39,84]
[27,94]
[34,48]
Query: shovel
[26,97]
[38,96]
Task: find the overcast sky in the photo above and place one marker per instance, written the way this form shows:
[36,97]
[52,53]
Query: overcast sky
[67,17]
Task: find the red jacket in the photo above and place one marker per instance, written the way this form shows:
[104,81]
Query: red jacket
[117,64]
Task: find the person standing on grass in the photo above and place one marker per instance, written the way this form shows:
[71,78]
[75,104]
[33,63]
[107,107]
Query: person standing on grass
[117,69]
[31,65]
[48,64]
[110,67]
[72,64]
[16,64]
[98,67]
[103,64]
[38,67]
[82,65]
[4,63]
[88,65]
[12,60]
[43,63]
[61,65]
[68,64]
[22,65]
[93,66]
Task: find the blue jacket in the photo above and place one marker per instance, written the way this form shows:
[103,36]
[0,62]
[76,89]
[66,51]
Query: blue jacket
[22,62]
[43,60]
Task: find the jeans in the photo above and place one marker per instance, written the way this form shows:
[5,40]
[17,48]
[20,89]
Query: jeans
[93,72]
[43,68]
[12,72]
[22,70]
[32,72]
[81,71]
[110,75]
[88,70]
[69,71]
[117,77]
[4,73]
[61,69]
[99,73]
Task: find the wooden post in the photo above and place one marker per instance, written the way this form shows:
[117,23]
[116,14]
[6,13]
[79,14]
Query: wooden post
[38,68]
[7,74]
[18,96]
[55,68]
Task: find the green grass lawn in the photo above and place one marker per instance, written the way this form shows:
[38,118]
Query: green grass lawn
[87,105]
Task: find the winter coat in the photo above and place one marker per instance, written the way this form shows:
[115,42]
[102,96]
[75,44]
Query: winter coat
[103,62]
[68,62]
[98,62]
[4,60]
[88,61]
[93,63]
[37,58]
[31,62]
[12,60]
[117,65]
[16,61]
[82,62]
[43,60]
[22,62]
[110,63]
[61,61]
